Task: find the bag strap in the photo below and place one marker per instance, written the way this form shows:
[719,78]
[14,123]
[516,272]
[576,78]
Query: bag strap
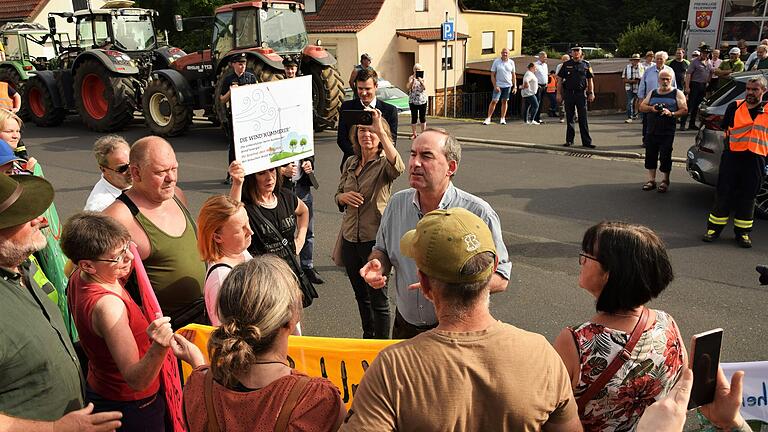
[290,403]
[283,243]
[214,267]
[210,409]
[616,364]
[128,203]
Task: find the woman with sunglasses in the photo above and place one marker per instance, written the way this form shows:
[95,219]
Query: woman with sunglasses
[124,350]
[623,266]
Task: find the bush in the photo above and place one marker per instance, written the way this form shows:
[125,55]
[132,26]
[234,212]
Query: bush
[647,36]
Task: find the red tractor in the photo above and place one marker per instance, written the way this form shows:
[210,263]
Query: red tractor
[266,31]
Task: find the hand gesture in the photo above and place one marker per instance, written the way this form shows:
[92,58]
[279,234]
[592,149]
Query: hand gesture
[352,199]
[83,421]
[237,172]
[307,167]
[668,414]
[159,330]
[372,273]
[289,170]
[591,97]
[376,126]
[723,412]
[184,349]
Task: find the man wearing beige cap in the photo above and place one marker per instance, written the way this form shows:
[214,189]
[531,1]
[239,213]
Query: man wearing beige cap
[472,372]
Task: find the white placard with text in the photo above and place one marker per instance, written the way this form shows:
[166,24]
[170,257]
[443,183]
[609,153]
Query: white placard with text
[272,123]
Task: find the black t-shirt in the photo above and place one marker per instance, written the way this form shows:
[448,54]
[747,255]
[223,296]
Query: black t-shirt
[679,67]
[282,217]
[245,78]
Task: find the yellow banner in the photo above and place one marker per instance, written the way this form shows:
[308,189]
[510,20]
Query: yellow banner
[343,361]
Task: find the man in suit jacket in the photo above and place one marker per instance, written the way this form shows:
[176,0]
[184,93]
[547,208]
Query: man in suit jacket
[367,83]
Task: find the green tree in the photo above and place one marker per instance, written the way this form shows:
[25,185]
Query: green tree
[292,145]
[647,36]
[303,143]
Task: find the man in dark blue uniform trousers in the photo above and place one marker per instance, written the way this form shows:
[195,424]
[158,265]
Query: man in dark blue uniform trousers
[742,166]
[238,77]
[576,88]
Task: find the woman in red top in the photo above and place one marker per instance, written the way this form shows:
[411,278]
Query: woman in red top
[250,379]
[125,352]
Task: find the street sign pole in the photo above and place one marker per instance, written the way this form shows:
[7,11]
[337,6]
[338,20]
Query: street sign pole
[447,27]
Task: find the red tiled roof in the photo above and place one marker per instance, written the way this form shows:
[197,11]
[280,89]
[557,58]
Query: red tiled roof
[20,10]
[340,16]
[426,34]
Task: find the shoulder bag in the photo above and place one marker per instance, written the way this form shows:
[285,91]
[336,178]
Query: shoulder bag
[615,365]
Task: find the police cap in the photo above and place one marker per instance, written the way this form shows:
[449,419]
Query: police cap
[576,46]
[290,61]
[239,57]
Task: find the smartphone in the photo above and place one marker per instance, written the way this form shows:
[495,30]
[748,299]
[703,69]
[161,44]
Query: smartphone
[357,117]
[705,359]
[420,74]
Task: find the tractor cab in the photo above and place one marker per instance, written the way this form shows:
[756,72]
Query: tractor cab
[16,38]
[117,26]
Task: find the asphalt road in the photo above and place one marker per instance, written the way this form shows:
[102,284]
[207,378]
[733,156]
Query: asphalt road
[545,200]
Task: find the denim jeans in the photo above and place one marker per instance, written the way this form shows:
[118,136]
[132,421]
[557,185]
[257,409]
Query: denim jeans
[631,98]
[304,192]
[531,107]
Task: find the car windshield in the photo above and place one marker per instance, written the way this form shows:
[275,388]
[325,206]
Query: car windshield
[727,93]
[283,29]
[133,32]
[388,93]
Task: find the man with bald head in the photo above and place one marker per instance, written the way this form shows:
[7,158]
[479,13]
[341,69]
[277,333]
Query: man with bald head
[155,212]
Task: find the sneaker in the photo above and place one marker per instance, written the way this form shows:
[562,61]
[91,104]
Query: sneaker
[629,120]
[313,276]
[567,144]
[503,121]
[527,122]
[744,241]
[710,236]
[487,121]
[562,120]
[534,122]
[590,146]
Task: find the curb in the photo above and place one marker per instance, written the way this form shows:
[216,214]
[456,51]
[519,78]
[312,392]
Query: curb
[557,148]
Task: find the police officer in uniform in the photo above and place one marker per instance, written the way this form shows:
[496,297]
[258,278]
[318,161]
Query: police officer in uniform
[576,87]
[742,165]
[238,77]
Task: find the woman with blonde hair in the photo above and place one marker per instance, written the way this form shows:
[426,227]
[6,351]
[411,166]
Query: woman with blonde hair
[417,99]
[363,192]
[10,132]
[249,381]
[223,237]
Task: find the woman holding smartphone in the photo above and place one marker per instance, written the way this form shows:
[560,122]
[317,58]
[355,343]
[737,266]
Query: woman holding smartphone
[417,99]
[363,192]
[623,266]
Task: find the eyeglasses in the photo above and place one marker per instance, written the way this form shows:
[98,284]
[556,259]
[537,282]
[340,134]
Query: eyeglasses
[583,257]
[665,79]
[121,169]
[120,257]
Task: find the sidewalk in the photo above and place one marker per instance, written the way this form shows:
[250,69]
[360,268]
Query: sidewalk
[609,133]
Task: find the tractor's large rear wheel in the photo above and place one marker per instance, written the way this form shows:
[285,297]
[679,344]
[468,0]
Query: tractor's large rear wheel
[165,115]
[11,76]
[39,101]
[263,73]
[105,101]
[327,95]
[761,201]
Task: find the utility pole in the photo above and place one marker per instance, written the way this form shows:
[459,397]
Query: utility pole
[445,73]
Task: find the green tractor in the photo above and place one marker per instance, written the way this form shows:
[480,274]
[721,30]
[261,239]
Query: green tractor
[19,64]
[266,31]
[103,74]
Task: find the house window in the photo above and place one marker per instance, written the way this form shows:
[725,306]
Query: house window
[511,40]
[447,57]
[421,5]
[310,6]
[488,42]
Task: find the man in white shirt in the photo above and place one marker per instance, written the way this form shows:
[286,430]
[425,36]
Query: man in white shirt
[631,77]
[111,152]
[503,80]
[542,72]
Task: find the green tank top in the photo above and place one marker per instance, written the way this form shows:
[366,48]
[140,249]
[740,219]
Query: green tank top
[174,267]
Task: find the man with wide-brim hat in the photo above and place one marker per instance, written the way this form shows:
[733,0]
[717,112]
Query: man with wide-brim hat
[40,377]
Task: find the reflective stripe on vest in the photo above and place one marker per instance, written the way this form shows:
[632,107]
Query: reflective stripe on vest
[6,101]
[747,134]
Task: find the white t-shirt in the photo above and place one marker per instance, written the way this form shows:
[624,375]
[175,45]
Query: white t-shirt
[504,72]
[542,70]
[533,84]
[102,196]
[212,285]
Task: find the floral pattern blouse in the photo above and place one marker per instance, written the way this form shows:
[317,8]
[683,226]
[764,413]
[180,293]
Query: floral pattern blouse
[653,368]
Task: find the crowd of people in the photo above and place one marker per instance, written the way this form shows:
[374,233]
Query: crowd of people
[240,266]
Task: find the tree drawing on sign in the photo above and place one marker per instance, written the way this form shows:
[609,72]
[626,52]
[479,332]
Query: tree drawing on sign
[303,143]
[292,145]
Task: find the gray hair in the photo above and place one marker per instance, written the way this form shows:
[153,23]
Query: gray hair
[760,80]
[663,54]
[451,146]
[106,145]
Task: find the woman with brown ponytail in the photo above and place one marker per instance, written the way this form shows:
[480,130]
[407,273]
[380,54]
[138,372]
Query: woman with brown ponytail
[249,385]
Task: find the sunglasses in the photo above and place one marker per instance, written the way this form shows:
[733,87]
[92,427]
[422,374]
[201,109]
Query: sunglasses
[121,169]
[583,257]
[120,257]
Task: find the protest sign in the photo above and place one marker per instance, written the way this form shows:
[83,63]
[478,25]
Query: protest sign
[343,361]
[754,405]
[272,123]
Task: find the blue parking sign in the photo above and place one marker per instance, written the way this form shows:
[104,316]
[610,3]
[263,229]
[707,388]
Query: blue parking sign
[448,31]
